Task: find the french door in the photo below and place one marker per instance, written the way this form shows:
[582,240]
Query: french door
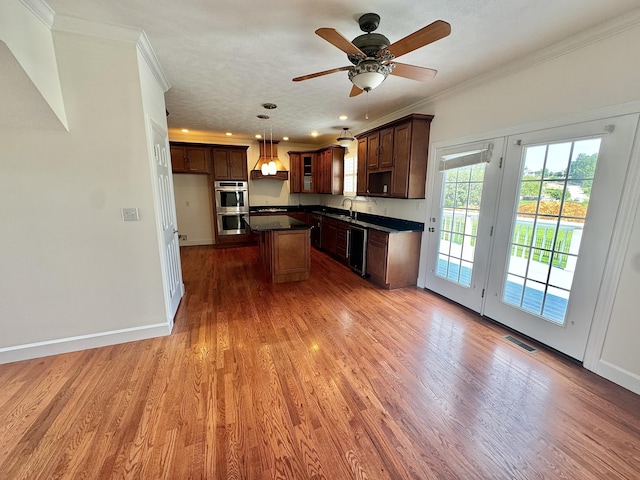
[542,241]
[466,185]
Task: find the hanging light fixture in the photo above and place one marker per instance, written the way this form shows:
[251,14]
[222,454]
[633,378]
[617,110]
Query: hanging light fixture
[264,169]
[268,164]
[345,138]
[272,169]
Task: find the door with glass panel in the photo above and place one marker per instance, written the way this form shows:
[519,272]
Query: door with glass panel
[560,194]
[466,184]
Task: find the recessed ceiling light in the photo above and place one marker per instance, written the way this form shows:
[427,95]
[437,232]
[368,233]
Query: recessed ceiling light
[314,134]
[343,117]
[185,130]
[228,134]
[285,138]
[258,135]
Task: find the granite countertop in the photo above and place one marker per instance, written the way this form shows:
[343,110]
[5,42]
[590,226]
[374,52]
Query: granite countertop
[361,223]
[274,222]
[362,219]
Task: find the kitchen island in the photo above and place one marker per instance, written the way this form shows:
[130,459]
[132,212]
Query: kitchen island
[285,246]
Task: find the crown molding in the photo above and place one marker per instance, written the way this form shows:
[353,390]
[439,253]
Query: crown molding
[149,55]
[590,36]
[115,32]
[41,10]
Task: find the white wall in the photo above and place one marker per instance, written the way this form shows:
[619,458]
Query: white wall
[601,76]
[74,274]
[194,208]
[29,38]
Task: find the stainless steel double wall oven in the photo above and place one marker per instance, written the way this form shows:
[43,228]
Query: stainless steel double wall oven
[232,206]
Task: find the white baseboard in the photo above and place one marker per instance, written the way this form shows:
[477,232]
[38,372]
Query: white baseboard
[616,374]
[82,342]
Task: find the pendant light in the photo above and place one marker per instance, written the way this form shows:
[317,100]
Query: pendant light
[272,169]
[345,138]
[264,168]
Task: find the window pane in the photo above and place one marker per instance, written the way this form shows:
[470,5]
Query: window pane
[545,241]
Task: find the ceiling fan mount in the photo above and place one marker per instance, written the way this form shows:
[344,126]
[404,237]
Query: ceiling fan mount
[373,55]
[369,22]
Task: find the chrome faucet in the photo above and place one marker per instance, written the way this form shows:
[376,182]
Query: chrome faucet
[350,205]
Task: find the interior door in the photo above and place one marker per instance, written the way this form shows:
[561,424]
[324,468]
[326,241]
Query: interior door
[170,258]
[466,184]
[557,209]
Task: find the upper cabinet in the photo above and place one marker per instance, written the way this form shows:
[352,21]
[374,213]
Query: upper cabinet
[188,158]
[320,171]
[229,163]
[392,159]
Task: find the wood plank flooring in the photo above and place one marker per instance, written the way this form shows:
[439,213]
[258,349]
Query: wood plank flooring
[330,378]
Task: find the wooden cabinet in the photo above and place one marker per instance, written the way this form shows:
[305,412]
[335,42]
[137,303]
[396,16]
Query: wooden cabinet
[334,237]
[393,258]
[361,180]
[302,216]
[320,171]
[342,241]
[316,230]
[229,163]
[295,170]
[286,254]
[380,150]
[186,158]
[332,170]
[302,166]
[329,235]
[396,157]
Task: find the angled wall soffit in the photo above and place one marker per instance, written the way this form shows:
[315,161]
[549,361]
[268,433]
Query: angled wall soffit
[29,57]
[122,33]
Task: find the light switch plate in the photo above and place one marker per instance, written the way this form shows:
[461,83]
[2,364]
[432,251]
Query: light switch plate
[130,215]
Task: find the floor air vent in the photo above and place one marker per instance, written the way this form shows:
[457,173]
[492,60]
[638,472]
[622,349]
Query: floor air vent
[519,343]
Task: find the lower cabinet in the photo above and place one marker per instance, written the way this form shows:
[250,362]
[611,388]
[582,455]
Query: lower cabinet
[342,230]
[302,216]
[393,258]
[316,230]
[329,235]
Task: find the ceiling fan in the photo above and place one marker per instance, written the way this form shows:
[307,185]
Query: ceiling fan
[373,55]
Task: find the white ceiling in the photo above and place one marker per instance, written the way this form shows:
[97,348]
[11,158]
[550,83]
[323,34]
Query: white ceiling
[224,59]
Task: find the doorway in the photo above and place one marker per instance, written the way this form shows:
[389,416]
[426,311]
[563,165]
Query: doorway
[529,251]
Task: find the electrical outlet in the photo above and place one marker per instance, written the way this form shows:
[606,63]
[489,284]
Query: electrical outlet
[182,237]
[130,214]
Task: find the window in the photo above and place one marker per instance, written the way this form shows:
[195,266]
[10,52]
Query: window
[350,174]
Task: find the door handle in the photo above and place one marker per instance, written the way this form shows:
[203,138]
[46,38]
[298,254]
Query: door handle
[175,231]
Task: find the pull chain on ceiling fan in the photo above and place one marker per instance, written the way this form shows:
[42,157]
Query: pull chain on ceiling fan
[373,55]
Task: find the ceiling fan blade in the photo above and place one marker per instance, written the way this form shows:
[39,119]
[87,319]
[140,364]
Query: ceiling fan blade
[319,74]
[336,39]
[413,72]
[429,34]
[355,91]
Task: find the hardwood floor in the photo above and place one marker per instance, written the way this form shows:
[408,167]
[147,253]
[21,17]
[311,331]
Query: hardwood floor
[327,378]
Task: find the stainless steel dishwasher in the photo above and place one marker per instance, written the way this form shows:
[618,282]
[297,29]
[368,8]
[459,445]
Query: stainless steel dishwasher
[357,249]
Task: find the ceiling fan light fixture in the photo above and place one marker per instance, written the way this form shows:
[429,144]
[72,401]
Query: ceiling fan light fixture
[345,138]
[369,74]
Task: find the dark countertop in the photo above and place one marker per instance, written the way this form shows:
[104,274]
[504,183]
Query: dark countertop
[360,223]
[274,222]
[366,220]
